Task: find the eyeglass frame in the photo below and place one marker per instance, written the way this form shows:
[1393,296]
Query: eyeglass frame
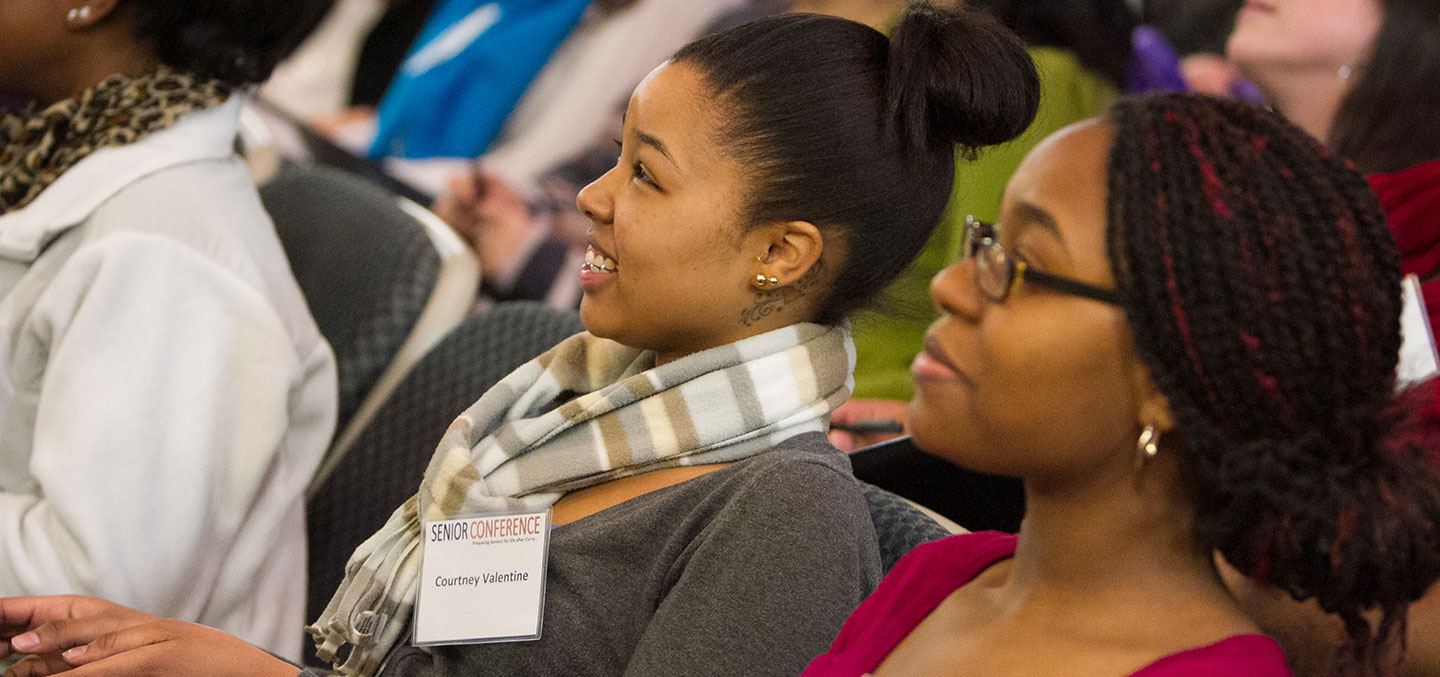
[1020,271]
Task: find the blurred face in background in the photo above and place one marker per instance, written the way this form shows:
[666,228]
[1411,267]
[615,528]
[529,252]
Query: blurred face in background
[1280,38]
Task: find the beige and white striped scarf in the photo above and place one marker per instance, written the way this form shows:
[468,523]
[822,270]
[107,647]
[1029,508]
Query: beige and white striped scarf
[586,412]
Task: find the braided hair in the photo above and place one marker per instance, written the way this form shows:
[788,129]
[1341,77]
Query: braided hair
[1263,290]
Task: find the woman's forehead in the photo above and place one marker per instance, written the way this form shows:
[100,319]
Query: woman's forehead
[672,109]
[1065,176]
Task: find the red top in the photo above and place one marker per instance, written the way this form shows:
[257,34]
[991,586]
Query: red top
[928,575]
[1411,198]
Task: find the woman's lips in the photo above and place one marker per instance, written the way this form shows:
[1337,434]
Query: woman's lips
[933,363]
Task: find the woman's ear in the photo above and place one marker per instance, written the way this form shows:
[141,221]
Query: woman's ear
[1153,406]
[789,250]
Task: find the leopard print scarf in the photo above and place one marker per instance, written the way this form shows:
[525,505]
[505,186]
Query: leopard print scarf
[36,147]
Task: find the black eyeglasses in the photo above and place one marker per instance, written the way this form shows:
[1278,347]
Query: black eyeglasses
[998,272]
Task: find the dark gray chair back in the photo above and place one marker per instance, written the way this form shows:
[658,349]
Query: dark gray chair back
[899,526]
[366,267]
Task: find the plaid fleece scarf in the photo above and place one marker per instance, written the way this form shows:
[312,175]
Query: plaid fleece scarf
[586,412]
[36,147]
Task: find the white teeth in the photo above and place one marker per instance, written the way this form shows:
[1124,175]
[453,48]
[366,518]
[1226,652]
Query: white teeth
[598,262]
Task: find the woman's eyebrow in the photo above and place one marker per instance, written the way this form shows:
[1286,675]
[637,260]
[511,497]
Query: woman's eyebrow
[655,143]
[1028,213]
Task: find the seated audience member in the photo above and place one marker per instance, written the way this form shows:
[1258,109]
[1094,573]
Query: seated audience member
[1081,48]
[1364,77]
[167,394]
[1139,340]
[772,178]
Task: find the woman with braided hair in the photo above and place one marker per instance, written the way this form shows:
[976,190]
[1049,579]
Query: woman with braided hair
[1183,336]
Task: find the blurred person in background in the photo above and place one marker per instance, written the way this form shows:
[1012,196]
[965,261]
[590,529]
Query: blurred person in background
[166,394]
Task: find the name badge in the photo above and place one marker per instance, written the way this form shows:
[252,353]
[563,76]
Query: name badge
[1418,360]
[482,579]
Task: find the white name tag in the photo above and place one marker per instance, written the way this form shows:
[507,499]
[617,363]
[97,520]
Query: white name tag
[1417,345]
[482,579]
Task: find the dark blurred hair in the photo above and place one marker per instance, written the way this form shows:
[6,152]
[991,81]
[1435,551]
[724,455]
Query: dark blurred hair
[1263,291]
[1097,32]
[1388,121]
[856,133]
[235,41]
[1193,25]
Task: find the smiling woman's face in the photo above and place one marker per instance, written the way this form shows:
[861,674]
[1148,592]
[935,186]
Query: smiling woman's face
[677,260]
[1043,383]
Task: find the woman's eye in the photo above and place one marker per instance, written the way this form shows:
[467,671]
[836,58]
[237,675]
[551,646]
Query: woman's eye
[640,173]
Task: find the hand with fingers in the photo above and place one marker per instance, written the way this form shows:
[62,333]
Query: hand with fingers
[88,637]
[491,216]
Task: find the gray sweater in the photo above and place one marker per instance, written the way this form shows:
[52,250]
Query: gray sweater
[748,570]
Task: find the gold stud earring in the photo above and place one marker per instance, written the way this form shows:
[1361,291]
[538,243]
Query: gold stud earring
[759,281]
[1148,445]
[78,14]
[771,281]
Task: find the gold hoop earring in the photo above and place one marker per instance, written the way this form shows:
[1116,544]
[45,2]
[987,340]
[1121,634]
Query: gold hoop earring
[1148,445]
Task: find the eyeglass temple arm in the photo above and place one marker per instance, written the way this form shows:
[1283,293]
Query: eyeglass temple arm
[1069,286]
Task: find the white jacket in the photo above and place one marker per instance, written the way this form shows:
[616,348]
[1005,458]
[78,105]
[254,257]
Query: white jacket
[165,394]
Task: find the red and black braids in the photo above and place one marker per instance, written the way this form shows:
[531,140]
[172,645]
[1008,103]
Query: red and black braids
[1263,289]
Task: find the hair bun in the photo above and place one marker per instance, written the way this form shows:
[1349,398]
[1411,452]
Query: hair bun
[959,76]
[1352,521]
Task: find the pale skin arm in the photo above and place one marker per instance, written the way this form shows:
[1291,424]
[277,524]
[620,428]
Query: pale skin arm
[89,637]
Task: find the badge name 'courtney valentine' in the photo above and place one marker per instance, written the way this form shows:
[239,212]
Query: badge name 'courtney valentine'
[482,579]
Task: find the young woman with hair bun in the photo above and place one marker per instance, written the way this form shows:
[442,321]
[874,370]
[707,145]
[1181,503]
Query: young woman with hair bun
[771,179]
[1183,336]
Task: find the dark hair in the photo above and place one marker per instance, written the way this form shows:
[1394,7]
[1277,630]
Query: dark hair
[1193,25]
[1263,290]
[856,133]
[235,41]
[1097,32]
[1387,121]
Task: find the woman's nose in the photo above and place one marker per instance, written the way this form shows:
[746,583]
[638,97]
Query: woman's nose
[953,290]
[596,201]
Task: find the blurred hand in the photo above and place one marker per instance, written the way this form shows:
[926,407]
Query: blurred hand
[1209,74]
[491,216]
[88,637]
[867,410]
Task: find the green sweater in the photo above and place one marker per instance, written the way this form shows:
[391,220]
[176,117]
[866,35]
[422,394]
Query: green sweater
[886,341]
